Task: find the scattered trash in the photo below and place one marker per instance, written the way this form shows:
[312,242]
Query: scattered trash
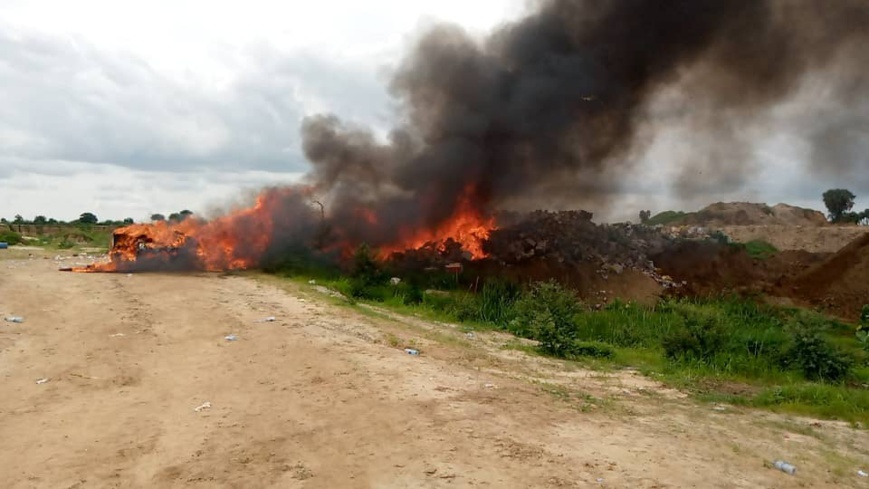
[117,335]
[41,381]
[411,351]
[489,386]
[312,282]
[231,337]
[470,336]
[862,473]
[719,408]
[129,275]
[269,319]
[600,481]
[395,280]
[785,467]
[14,319]
[202,407]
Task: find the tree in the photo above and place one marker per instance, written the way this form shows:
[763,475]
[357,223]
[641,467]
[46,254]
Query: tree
[18,219]
[158,217]
[645,216]
[175,217]
[88,218]
[839,202]
[40,220]
[129,221]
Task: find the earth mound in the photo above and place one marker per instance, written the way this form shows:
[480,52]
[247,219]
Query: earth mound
[839,284]
[750,214]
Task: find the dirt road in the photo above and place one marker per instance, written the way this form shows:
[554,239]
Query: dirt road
[326,397]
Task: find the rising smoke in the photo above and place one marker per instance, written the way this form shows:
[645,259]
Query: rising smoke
[559,102]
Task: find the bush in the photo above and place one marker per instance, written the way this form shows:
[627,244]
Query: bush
[546,313]
[365,269]
[701,338]
[816,358]
[10,237]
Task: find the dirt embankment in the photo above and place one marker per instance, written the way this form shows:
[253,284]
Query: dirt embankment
[814,239]
[839,284]
[723,214]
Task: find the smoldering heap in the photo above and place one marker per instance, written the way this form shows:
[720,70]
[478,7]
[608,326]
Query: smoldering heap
[555,105]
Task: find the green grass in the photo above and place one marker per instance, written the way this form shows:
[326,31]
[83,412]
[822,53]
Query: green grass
[727,349]
[667,217]
[70,237]
[760,250]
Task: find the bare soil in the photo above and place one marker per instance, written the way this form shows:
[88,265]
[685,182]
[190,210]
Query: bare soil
[823,239]
[325,396]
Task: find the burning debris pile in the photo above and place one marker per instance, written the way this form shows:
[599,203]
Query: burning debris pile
[572,239]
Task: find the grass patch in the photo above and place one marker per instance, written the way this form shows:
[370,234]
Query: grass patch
[10,237]
[760,250]
[667,217]
[725,349]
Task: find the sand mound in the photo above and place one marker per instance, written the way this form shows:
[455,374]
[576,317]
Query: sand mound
[748,214]
[840,283]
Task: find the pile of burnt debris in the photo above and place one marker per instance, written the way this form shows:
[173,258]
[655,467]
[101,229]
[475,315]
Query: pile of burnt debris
[566,237]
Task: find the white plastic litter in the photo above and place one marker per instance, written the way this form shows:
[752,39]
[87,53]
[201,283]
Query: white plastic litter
[202,407]
[41,381]
[231,337]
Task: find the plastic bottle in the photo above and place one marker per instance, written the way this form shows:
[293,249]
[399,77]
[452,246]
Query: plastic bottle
[411,351]
[15,319]
[785,467]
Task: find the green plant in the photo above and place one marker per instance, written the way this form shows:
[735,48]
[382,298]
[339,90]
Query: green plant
[546,313]
[816,358]
[10,237]
[760,250]
[701,338]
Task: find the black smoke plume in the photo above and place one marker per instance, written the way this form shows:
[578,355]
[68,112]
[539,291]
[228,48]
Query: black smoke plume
[558,102]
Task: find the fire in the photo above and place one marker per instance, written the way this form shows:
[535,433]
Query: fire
[468,226]
[236,241]
[241,239]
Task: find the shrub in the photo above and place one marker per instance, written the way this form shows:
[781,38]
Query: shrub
[701,338]
[864,317]
[10,237]
[546,314]
[816,358]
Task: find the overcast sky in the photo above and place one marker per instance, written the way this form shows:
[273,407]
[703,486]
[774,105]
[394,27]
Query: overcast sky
[129,108]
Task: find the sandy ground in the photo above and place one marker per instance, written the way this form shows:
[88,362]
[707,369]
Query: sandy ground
[326,397]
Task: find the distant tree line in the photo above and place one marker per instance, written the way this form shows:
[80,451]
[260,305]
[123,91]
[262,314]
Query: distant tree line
[90,219]
[174,217]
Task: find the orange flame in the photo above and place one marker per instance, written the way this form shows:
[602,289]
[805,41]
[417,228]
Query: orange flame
[233,242]
[240,239]
[467,226]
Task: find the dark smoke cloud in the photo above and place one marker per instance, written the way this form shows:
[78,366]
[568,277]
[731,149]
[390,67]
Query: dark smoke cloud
[562,97]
